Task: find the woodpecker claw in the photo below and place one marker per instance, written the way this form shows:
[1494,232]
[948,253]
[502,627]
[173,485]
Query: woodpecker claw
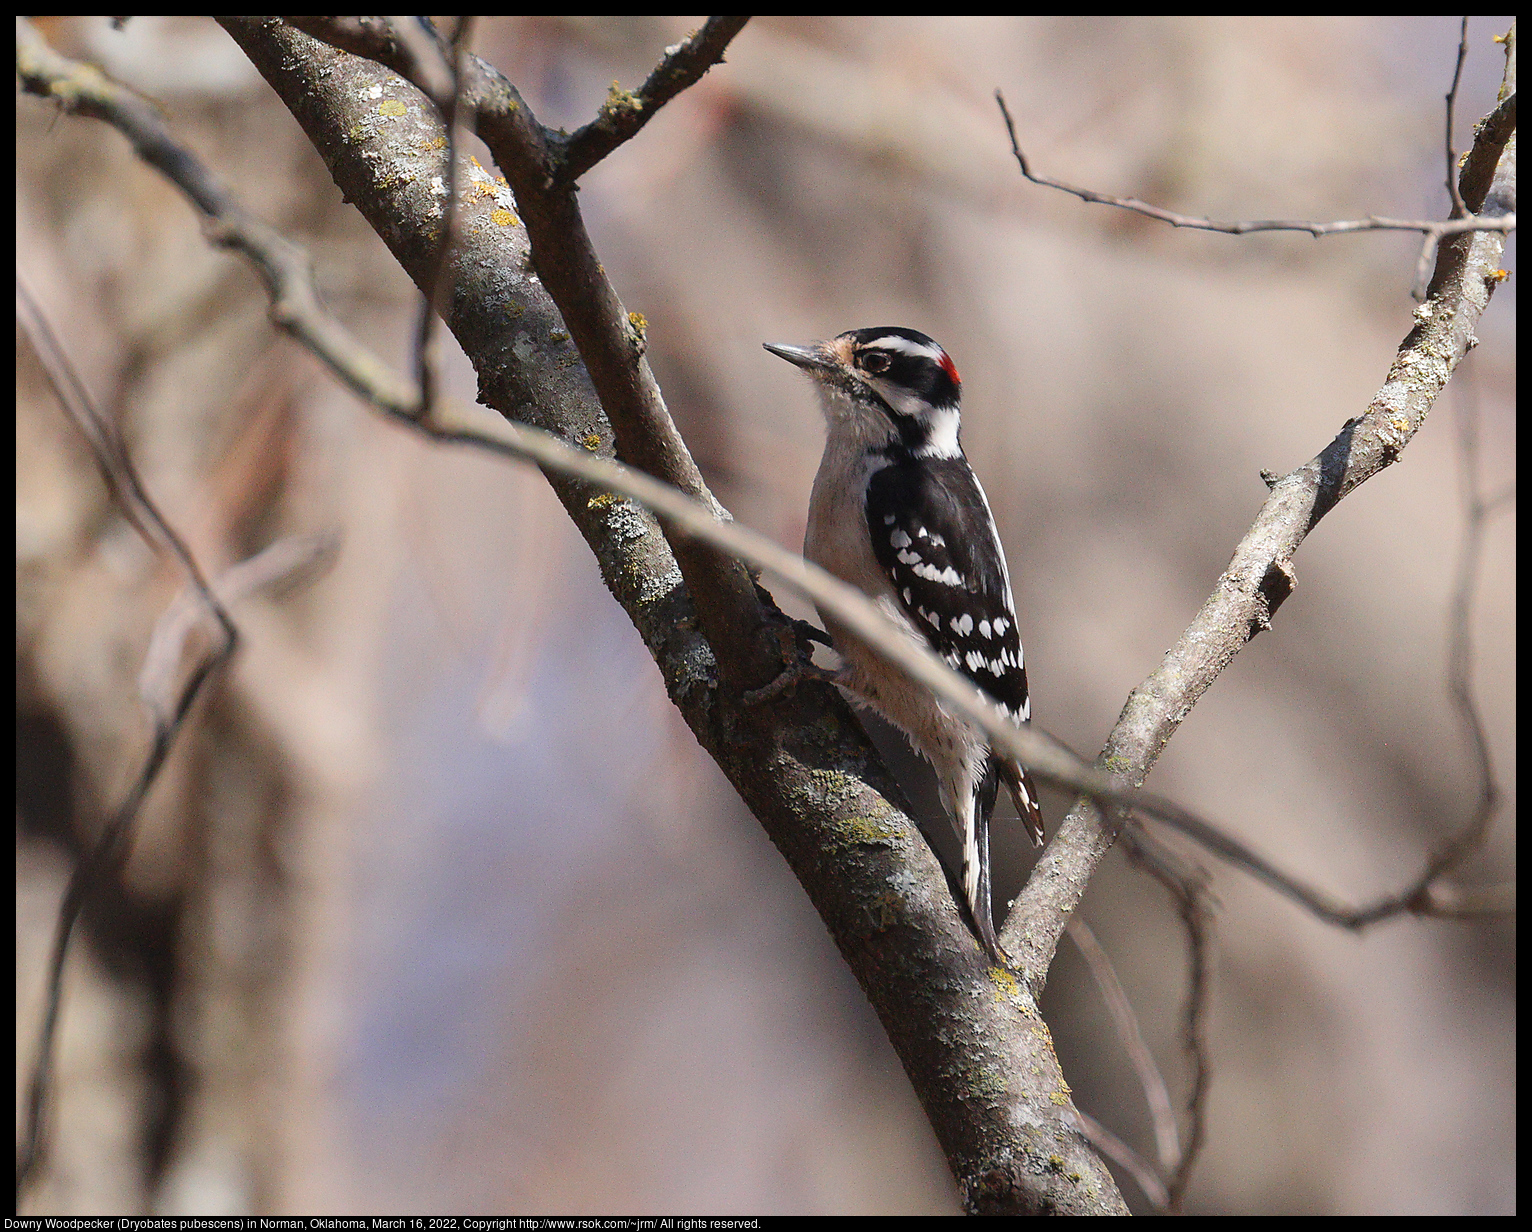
[800,664]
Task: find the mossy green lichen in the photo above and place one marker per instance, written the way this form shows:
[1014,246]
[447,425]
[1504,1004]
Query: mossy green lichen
[619,100]
[868,831]
[1007,986]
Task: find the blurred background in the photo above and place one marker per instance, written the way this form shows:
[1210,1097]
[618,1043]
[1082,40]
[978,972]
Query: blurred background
[439,908]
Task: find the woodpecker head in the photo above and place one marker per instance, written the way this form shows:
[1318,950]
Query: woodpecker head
[894,387]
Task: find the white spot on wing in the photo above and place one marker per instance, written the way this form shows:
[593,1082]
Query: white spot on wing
[947,577]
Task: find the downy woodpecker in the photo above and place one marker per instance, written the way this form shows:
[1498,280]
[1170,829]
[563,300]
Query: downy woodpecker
[897,512]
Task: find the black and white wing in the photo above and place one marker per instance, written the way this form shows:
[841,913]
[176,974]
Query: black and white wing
[934,535]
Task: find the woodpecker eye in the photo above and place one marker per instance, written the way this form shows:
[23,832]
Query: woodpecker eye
[876,362]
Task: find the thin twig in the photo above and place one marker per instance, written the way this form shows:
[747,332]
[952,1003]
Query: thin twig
[431,66]
[1458,208]
[1187,885]
[440,68]
[277,566]
[115,840]
[1195,910]
[1372,222]
[624,114]
[1129,1160]
[1130,1035]
[1432,230]
[1460,657]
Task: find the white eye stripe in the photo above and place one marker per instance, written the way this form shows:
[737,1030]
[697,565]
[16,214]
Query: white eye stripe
[893,342]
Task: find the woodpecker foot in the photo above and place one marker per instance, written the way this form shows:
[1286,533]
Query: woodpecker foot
[800,666]
[812,633]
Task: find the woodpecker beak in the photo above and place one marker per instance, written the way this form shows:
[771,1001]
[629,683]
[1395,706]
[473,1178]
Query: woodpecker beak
[812,358]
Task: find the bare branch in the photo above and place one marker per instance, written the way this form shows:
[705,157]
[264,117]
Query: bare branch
[1372,222]
[1456,903]
[1491,135]
[1188,887]
[275,567]
[1156,1094]
[1460,661]
[609,339]
[441,68]
[691,519]
[564,159]
[1129,1160]
[623,114]
[432,66]
[283,266]
[782,756]
[1260,576]
[1434,231]
[1458,208]
[115,840]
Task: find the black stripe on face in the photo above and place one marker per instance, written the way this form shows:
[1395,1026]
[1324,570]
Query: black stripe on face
[909,359]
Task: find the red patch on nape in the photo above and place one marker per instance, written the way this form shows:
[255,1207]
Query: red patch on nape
[950,369]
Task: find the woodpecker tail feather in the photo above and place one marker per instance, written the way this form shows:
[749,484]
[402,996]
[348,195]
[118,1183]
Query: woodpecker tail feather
[974,834]
[1024,792]
[970,815]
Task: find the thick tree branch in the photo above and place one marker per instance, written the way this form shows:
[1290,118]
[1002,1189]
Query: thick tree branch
[609,340]
[968,1035]
[715,719]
